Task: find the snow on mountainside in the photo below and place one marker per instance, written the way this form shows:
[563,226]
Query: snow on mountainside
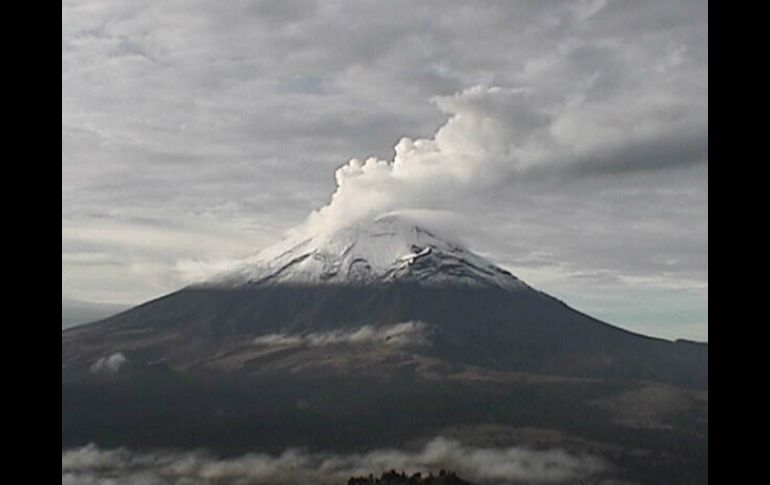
[387,249]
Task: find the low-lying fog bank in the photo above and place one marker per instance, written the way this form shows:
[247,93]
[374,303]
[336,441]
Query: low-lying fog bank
[92,465]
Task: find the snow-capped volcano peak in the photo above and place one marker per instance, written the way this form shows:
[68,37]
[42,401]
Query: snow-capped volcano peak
[387,249]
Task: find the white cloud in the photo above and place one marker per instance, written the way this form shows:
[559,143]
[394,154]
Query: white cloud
[481,465]
[406,333]
[109,365]
[494,135]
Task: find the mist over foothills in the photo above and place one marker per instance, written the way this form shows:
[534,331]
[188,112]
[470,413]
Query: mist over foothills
[482,465]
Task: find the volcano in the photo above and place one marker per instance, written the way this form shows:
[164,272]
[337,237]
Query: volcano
[377,276]
[374,334]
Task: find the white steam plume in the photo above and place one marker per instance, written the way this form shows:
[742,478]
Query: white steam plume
[495,135]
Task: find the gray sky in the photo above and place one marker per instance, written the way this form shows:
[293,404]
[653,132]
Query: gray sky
[567,139]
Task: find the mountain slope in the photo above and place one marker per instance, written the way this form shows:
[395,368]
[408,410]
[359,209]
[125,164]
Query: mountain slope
[377,336]
[75,312]
[381,274]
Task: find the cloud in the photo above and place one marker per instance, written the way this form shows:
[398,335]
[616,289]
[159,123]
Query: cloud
[91,465]
[496,134]
[414,333]
[197,131]
[109,365]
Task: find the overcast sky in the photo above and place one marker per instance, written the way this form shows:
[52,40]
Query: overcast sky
[569,140]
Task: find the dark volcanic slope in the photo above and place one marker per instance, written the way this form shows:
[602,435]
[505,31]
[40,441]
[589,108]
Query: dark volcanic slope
[489,327]
[382,273]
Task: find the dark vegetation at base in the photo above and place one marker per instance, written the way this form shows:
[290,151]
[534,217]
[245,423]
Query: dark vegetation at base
[394,478]
[231,417]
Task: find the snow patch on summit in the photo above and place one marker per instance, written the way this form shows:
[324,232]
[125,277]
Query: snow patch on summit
[390,248]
